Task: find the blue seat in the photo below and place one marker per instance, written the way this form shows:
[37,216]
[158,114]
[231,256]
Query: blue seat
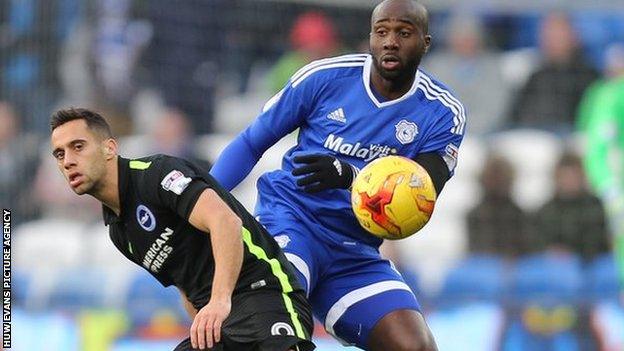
[525,32]
[146,297]
[20,287]
[476,278]
[601,279]
[78,288]
[547,279]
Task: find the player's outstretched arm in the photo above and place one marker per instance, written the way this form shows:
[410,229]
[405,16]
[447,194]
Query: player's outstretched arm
[228,173]
[212,215]
[282,114]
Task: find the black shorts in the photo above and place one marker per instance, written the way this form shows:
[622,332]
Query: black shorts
[261,321]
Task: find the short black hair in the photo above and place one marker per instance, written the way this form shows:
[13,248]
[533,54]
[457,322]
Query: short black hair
[93,119]
[570,158]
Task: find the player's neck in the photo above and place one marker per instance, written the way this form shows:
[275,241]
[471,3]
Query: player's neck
[391,89]
[108,192]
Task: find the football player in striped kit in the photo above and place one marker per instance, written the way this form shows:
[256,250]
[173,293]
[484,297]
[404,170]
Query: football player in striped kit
[351,110]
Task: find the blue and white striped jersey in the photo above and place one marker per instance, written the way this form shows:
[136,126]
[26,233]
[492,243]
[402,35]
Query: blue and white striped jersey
[339,113]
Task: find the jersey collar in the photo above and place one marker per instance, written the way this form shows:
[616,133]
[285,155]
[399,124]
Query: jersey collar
[366,80]
[123,174]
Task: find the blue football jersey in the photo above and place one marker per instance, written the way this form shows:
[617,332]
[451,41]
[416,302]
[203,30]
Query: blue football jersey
[339,113]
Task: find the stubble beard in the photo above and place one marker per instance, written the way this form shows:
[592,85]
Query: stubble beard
[399,76]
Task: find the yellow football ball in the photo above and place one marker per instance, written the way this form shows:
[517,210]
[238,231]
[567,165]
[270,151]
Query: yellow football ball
[393,197]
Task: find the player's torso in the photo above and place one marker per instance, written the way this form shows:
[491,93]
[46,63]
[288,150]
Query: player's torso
[176,253]
[348,124]
[160,241]
[354,124]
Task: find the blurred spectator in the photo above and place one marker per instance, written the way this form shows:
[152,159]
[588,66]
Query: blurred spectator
[602,121]
[119,40]
[550,97]
[18,162]
[170,134]
[182,57]
[473,72]
[312,37]
[497,225]
[30,41]
[574,219]
[591,101]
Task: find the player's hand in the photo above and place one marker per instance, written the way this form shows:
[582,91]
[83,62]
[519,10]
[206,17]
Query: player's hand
[206,327]
[322,172]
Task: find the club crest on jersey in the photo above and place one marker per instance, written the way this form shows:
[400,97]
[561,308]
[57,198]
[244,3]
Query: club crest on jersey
[146,218]
[175,181]
[406,131]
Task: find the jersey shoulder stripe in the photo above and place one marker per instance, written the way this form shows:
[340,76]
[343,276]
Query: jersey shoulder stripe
[140,165]
[314,64]
[435,92]
[352,60]
[313,68]
[433,95]
[450,97]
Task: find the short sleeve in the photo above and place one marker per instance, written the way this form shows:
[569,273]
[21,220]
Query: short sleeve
[445,140]
[173,183]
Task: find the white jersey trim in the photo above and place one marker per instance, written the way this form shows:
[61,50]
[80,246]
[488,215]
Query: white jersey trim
[317,63]
[366,80]
[445,98]
[326,66]
[448,97]
[272,100]
[355,296]
[302,267]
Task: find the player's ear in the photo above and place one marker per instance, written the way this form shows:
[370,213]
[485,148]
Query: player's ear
[110,148]
[427,42]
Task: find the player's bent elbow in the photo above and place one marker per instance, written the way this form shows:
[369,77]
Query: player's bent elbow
[235,222]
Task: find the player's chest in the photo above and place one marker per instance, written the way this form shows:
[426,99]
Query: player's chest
[351,124]
[151,234]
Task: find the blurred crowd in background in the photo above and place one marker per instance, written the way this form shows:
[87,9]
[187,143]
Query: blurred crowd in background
[519,253]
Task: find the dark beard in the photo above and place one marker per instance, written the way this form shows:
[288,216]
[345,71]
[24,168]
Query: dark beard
[398,76]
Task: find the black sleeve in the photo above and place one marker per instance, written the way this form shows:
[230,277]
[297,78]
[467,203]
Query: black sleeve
[173,183]
[438,170]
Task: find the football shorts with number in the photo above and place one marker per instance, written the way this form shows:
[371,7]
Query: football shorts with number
[260,321]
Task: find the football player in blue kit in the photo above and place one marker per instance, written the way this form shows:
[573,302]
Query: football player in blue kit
[351,110]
